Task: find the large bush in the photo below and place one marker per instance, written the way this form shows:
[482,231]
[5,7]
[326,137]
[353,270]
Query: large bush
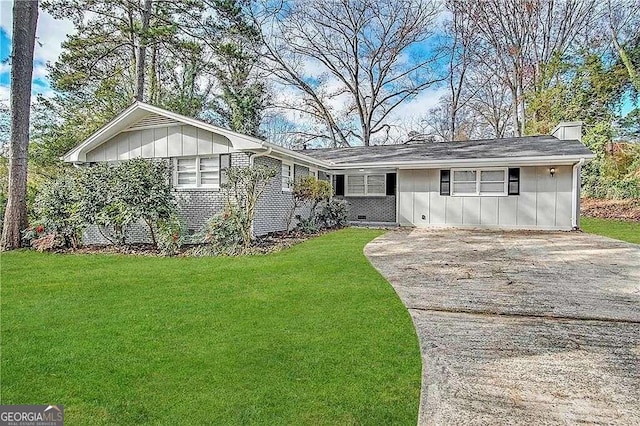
[119,195]
[111,196]
[58,209]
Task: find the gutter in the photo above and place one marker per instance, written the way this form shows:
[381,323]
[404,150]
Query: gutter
[259,154]
[575,195]
[487,162]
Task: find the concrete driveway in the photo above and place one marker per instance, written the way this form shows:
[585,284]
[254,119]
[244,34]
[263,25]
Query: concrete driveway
[520,327]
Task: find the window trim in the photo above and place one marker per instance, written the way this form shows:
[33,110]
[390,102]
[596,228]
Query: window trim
[292,168]
[198,184]
[478,171]
[366,185]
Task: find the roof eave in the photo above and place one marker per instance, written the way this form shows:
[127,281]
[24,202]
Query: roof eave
[486,162]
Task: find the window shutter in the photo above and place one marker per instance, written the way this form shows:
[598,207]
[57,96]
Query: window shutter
[514,181]
[445,182]
[391,184]
[339,185]
[225,163]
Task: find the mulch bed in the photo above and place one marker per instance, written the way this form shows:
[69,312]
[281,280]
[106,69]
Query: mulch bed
[269,243]
[611,209]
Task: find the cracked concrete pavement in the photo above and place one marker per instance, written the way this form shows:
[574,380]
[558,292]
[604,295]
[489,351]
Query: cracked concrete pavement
[520,327]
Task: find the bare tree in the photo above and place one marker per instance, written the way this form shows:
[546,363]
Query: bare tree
[25,21]
[519,37]
[361,51]
[491,104]
[461,40]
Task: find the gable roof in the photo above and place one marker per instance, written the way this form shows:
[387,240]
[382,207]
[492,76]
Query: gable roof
[522,150]
[140,115]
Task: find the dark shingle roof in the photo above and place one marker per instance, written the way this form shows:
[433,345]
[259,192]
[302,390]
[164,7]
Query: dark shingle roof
[528,146]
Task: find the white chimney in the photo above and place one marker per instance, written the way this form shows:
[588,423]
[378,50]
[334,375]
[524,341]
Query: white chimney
[568,130]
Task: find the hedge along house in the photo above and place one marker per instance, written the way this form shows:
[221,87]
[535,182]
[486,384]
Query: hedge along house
[526,183]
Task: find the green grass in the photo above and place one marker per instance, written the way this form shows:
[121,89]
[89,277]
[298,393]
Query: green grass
[310,335]
[624,230]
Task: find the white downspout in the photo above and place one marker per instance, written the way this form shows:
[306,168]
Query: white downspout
[260,154]
[575,195]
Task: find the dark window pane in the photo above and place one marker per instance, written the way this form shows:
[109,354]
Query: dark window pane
[445,182]
[514,181]
[339,189]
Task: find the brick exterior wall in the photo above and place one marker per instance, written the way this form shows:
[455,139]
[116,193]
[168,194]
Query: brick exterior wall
[137,233]
[375,209]
[275,204]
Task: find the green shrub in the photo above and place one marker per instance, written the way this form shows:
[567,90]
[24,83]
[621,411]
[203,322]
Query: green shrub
[58,209]
[111,196]
[171,235]
[119,195]
[311,191]
[223,234]
[333,213]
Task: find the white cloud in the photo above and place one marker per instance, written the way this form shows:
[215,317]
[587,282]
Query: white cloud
[4,94]
[50,34]
[420,105]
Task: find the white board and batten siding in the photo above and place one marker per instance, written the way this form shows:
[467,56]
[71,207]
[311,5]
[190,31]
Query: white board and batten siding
[544,202]
[160,141]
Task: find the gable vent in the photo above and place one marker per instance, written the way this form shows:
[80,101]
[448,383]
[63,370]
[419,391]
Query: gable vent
[153,120]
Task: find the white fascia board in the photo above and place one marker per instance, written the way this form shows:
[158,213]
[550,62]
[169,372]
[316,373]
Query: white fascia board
[551,160]
[297,155]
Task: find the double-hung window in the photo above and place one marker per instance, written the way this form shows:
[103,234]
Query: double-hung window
[361,185]
[490,182]
[197,172]
[287,176]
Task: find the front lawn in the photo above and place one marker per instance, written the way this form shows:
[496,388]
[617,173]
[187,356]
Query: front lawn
[309,335]
[625,230]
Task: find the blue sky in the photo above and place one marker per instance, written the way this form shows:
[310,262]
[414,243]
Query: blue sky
[40,84]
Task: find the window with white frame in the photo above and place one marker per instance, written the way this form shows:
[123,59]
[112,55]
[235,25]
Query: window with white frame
[313,172]
[198,172]
[287,176]
[360,185]
[479,182]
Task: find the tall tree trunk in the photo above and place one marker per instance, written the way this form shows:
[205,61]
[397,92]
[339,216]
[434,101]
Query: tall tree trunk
[142,50]
[25,21]
[153,83]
